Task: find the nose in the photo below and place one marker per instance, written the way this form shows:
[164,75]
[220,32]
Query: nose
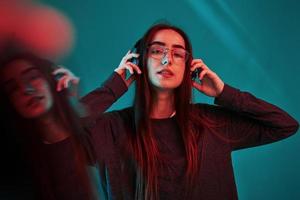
[28,89]
[167,59]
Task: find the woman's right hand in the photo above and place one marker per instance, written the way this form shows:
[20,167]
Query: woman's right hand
[127,65]
[67,80]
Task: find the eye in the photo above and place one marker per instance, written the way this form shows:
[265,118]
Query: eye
[33,75]
[156,50]
[179,54]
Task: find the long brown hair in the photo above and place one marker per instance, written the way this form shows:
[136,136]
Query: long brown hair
[62,110]
[143,143]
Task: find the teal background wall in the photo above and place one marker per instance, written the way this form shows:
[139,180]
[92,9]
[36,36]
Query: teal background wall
[252,44]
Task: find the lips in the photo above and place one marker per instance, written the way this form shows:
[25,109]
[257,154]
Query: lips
[34,100]
[166,73]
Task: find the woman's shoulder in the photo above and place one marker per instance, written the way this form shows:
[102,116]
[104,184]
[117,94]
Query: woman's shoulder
[204,107]
[114,116]
[210,110]
[124,114]
[111,126]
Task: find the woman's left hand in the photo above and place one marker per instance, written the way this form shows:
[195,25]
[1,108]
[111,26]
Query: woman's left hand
[210,84]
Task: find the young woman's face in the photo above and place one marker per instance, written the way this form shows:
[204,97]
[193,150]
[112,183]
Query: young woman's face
[166,60]
[27,89]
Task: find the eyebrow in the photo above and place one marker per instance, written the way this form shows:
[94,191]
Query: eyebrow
[10,81]
[28,70]
[164,44]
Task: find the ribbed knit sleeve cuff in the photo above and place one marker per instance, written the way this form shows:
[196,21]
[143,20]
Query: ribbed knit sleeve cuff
[116,84]
[226,98]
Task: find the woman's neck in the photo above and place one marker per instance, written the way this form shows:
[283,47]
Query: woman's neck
[52,130]
[163,105]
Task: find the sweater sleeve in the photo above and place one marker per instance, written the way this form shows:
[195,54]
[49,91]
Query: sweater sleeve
[100,99]
[252,121]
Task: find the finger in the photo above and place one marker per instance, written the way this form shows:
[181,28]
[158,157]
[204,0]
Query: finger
[124,57]
[127,57]
[60,70]
[202,74]
[59,85]
[196,61]
[63,83]
[135,67]
[198,86]
[129,68]
[131,55]
[67,82]
[65,72]
[200,66]
[75,80]
[128,52]
[197,65]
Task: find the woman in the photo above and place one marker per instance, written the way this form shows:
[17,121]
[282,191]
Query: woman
[165,147]
[44,122]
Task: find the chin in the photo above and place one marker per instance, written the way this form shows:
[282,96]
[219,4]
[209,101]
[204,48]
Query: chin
[34,114]
[167,87]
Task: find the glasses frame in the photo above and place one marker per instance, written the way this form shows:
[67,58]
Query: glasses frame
[165,52]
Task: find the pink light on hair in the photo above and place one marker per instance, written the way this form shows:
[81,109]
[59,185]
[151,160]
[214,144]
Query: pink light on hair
[37,28]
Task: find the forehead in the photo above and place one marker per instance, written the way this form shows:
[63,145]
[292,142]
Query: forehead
[169,37]
[15,69]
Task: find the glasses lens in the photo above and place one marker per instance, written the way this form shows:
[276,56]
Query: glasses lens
[159,52]
[180,55]
[156,52]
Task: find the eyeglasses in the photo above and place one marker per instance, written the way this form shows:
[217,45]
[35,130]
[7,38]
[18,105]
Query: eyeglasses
[158,52]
